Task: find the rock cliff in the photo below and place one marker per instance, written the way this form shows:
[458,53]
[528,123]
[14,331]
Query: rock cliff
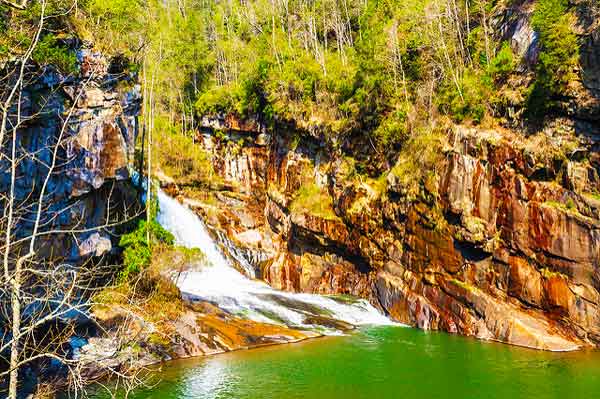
[91,120]
[492,233]
[502,243]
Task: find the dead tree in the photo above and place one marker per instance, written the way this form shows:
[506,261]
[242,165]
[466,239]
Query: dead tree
[41,294]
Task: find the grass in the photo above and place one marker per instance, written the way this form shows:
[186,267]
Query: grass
[158,340]
[167,258]
[547,273]
[417,159]
[183,159]
[376,189]
[476,227]
[569,206]
[314,200]
[593,196]
[344,299]
[151,297]
[463,285]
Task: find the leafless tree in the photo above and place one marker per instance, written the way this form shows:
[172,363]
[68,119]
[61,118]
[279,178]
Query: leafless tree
[19,6]
[42,296]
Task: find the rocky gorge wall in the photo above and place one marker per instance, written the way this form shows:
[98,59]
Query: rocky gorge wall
[94,115]
[497,238]
[502,243]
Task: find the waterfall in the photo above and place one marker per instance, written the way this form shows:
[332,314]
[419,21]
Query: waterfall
[218,282]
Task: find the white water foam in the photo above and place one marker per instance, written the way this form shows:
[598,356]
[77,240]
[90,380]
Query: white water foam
[219,283]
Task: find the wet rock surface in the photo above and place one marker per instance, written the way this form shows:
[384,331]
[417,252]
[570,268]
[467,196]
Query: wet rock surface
[131,340]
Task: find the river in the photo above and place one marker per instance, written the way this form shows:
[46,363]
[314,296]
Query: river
[381,362]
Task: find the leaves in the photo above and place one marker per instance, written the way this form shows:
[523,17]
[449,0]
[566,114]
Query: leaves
[49,51]
[559,52]
[137,250]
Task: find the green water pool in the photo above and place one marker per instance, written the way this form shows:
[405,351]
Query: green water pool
[382,362]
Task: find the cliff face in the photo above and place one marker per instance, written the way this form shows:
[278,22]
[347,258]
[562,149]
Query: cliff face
[502,243]
[89,186]
[492,233]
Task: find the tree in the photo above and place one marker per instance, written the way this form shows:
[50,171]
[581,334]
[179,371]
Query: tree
[559,52]
[42,295]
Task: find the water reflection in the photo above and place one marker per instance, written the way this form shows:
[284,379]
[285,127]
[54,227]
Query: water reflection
[384,362]
[209,381]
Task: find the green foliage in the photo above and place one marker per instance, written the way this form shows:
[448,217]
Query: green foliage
[476,46]
[115,26]
[595,196]
[477,89]
[391,131]
[503,64]
[467,100]
[418,160]
[17,29]
[344,68]
[180,157]
[215,100]
[355,66]
[136,253]
[251,93]
[49,51]
[559,51]
[137,250]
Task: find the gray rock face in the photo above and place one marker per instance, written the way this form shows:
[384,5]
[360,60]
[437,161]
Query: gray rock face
[95,245]
[590,61]
[90,120]
[514,25]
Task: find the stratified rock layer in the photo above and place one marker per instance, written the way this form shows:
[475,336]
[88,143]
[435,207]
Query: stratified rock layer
[92,116]
[503,243]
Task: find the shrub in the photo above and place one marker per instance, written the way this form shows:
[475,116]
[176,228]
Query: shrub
[137,251]
[295,84]
[115,25]
[312,199]
[503,64]
[181,158]
[251,98]
[468,104]
[418,160]
[392,131]
[558,57]
[215,100]
[50,52]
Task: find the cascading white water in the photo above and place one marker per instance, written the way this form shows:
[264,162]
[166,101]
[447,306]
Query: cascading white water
[218,282]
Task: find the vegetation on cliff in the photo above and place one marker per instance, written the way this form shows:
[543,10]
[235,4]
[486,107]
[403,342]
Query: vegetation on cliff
[376,82]
[379,70]
[559,53]
[376,72]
